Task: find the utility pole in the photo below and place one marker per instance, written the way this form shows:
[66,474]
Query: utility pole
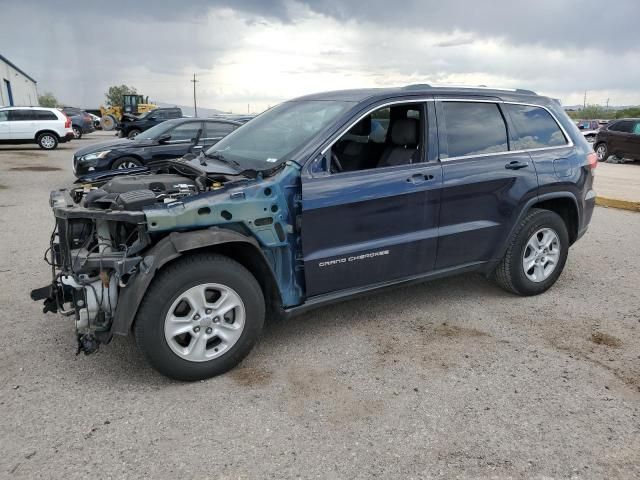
[195,105]
[607,104]
[248,109]
[584,103]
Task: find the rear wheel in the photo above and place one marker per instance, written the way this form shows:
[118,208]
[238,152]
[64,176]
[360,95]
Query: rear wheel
[125,163]
[602,152]
[108,122]
[133,134]
[201,317]
[47,141]
[536,254]
[77,132]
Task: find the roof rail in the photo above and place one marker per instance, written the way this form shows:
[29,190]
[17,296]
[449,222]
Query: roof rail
[419,86]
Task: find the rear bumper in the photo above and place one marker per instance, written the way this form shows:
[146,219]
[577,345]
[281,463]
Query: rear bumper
[67,137]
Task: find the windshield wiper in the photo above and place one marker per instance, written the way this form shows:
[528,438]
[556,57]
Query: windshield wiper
[221,158]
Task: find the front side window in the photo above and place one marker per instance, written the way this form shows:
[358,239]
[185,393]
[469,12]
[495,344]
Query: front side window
[474,128]
[623,126]
[387,137]
[535,127]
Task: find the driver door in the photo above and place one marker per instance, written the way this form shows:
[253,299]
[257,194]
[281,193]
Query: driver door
[368,227]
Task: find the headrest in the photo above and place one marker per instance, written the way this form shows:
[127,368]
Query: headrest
[405,131]
[363,127]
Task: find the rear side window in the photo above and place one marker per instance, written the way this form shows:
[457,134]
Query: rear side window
[21,115]
[636,128]
[218,129]
[624,126]
[535,128]
[45,115]
[474,128]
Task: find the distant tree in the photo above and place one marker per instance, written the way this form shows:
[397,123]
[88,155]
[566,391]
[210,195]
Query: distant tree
[115,93]
[632,112]
[47,99]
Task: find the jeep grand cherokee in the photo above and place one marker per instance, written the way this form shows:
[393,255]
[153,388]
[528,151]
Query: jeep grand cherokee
[317,200]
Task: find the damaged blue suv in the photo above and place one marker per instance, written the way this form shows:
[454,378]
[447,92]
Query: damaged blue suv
[317,200]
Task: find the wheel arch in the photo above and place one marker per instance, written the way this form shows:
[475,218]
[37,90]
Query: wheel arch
[46,130]
[562,203]
[245,250]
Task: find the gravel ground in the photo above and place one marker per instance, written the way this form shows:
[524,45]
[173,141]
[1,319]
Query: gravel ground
[451,379]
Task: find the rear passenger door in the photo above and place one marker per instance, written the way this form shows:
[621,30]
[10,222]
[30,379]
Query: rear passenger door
[485,182]
[23,124]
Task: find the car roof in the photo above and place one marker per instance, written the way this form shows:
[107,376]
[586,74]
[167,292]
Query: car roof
[373,94]
[29,107]
[174,121]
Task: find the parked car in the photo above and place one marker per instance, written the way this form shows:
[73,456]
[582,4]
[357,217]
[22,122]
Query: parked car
[45,126]
[131,126]
[170,139]
[299,208]
[620,138]
[235,117]
[81,121]
[96,121]
[589,129]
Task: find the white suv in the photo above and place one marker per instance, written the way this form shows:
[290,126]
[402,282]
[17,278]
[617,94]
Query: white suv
[45,126]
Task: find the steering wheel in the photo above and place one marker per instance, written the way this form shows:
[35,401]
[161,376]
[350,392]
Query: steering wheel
[335,165]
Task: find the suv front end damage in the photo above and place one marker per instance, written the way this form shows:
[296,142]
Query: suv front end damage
[112,236]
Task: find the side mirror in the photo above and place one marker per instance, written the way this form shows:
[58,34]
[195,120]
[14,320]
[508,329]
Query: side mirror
[164,138]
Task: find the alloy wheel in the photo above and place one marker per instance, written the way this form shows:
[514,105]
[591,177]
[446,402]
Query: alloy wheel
[541,255]
[204,322]
[48,141]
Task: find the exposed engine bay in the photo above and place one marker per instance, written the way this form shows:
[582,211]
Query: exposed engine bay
[105,230]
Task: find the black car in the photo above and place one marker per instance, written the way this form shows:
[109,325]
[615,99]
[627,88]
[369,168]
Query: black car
[170,139]
[131,126]
[620,138]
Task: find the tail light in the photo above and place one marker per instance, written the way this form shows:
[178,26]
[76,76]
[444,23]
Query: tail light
[592,160]
[67,123]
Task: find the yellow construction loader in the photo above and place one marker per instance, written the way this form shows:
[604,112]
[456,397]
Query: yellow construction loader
[132,105]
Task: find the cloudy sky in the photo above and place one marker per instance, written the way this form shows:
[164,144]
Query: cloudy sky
[263,52]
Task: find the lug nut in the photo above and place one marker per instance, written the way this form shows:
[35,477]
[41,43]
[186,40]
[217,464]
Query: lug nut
[209,330]
[208,310]
[216,320]
[196,329]
[196,317]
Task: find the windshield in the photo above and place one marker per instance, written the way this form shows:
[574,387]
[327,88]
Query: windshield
[270,138]
[154,132]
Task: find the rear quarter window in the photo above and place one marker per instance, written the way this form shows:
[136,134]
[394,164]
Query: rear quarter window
[45,115]
[535,128]
[474,128]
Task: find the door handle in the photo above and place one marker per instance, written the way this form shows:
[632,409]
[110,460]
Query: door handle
[516,165]
[417,178]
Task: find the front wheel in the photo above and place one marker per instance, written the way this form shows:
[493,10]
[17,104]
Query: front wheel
[201,317]
[125,163]
[133,134]
[536,254]
[77,133]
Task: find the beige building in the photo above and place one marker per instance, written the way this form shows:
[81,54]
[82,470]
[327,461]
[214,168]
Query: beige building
[16,87]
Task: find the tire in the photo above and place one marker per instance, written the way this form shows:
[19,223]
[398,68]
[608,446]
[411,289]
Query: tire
[47,141]
[124,163]
[510,273]
[133,134]
[77,132]
[602,152]
[108,123]
[154,329]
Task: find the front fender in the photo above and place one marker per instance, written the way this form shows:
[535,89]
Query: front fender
[169,248]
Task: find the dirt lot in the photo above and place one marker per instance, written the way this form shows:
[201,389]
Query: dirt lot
[450,379]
